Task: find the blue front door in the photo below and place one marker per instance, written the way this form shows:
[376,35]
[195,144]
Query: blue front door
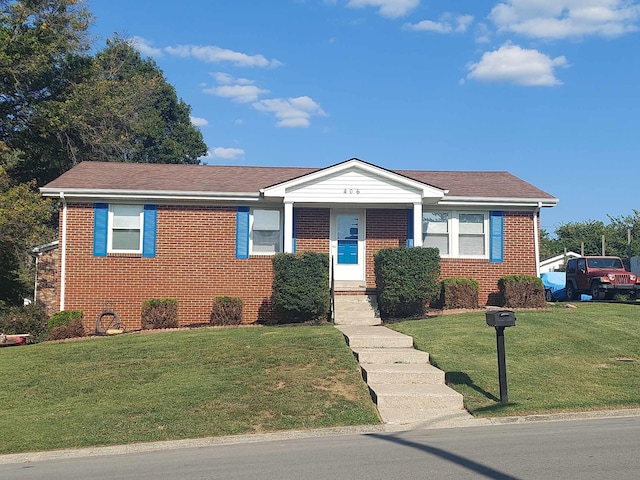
[347,237]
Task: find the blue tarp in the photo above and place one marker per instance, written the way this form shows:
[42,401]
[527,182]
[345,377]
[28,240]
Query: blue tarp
[555,283]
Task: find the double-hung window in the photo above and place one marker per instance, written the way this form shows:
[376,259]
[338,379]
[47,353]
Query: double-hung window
[435,231]
[266,232]
[125,228]
[471,235]
[456,234]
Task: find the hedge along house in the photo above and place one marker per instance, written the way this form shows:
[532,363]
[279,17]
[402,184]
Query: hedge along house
[130,232]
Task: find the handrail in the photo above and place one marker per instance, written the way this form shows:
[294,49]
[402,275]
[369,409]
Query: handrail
[332,292]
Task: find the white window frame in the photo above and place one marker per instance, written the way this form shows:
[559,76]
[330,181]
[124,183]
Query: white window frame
[110,248]
[454,232]
[280,231]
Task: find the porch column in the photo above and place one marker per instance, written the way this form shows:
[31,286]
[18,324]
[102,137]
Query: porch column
[417,224]
[288,227]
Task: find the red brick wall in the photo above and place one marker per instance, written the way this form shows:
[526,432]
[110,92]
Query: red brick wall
[519,258]
[195,261]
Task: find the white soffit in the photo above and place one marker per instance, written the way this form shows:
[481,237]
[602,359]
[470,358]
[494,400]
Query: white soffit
[354,181]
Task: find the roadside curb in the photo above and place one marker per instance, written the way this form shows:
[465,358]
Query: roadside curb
[300,434]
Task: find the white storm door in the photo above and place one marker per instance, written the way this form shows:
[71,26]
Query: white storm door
[348,244]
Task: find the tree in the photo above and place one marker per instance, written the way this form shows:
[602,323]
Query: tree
[23,223]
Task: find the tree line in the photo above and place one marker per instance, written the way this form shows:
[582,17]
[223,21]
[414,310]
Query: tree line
[621,237]
[64,100]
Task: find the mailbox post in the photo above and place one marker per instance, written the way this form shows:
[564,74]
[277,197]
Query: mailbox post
[500,319]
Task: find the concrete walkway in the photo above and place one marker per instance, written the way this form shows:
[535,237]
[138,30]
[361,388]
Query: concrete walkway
[405,387]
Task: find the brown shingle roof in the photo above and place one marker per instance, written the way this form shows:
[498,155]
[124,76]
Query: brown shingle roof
[240,179]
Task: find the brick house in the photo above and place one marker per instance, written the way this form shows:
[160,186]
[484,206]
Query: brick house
[130,232]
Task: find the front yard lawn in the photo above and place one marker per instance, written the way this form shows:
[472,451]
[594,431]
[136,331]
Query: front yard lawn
[558,360]
[182,384]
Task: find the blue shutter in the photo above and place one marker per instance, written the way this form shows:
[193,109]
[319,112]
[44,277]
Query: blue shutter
[242,232]
[294,230]
[496,239]
[149,231]
[410,228]
[100,226]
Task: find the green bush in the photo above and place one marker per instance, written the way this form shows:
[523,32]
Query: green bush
[301,287]
[522,291]
[406,279]
[159,313]
[226,311]
[30,319]
[458,293]
[65,324]
[63,318]
[73,329]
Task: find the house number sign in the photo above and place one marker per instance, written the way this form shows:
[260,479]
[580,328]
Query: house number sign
[352,191]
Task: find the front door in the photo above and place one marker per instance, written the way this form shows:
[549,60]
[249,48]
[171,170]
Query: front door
[347,244]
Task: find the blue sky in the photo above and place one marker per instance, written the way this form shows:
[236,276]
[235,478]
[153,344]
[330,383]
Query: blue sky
[545,89]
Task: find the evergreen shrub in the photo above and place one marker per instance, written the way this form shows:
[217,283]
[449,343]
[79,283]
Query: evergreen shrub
[458,293]
[159,313]
[226,311]
[406,279]
[522,291]
[301,287]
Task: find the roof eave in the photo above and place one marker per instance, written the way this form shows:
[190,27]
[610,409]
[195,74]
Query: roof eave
[503,201]
[89,193]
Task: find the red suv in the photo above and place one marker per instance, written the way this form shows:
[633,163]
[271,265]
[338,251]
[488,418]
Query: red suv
[600,277]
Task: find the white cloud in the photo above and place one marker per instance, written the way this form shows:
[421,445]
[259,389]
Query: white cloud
[515,65]
[226,79]
[448,23]
[225,153]
[199,122]
[387,8]
[291,112]
[144,47]
[482,33]
[213,54]
[557,19]
[237,93]
[239,90]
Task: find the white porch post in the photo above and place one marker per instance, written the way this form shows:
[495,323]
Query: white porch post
[288,227]
[417,224]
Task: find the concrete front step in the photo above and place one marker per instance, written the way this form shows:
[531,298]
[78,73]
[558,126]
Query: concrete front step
[361,321]
[356,310]
[415,397]
[402,374]
[390,355]
[374,337]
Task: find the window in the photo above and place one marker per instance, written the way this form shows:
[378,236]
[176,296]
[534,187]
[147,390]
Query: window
[456,234]
[435,231]
[471,239]
[125,228]
[266,232]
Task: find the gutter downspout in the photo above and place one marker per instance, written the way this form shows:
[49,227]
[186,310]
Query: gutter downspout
[536,238]
[35,286]
[63,252]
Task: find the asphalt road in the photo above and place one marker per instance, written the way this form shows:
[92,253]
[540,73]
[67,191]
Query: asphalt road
[579,449]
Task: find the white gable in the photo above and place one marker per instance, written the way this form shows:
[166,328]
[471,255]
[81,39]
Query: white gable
[354,182]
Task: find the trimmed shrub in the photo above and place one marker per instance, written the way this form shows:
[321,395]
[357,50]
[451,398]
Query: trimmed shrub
[30,319]
[159,313]
[522,291]
[226,311]
[65,324]
[407,279]
[459,293]
[301,287]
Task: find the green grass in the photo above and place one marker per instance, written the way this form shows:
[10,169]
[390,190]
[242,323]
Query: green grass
[558,359]
[173,385]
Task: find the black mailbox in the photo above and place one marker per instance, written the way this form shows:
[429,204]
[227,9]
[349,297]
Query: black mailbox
[501,318]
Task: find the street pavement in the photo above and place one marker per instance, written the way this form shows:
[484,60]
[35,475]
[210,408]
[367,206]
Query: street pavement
[591,448]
